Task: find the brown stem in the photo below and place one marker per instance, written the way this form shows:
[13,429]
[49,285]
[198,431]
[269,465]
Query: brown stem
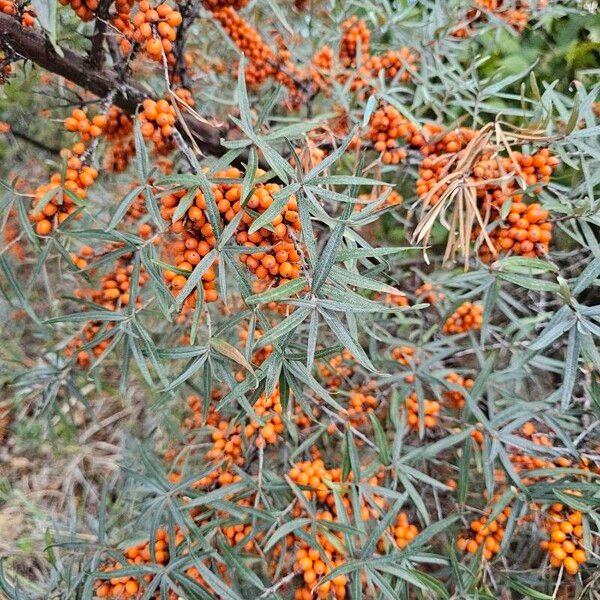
[96,56]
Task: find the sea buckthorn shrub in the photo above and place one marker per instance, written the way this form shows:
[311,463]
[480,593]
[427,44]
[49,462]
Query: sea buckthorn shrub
[299,300]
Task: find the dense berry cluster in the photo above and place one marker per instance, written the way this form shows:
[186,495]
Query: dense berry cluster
[387,129]
[403,354]
[84,9]
[56,201]
[485,533]
[260,57]
[355,36]
[337,370]
[157,120]
[25,12]
[453,397]
[496,180]
[276,258]
[467,317]
[280,260]
[87,128]
[431,412]
[112,294]
[400,64]
[528,232]
[155,30]
[403,530]
[268,409]
[393,65]
[118,132]
[126,586]
[565,546]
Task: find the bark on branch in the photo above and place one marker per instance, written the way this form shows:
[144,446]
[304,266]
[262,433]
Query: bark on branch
[33,46]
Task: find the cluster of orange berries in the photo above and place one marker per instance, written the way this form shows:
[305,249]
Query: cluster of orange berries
[115,126]
[112,294]
[57,196]
[387,127]
[403,530]
[486,533]
[394,63]
[515,14]
[438,157]
[355,33]
[431,412]
[261,59]
[281,259]
[313,567]
[155,29]
[226,447]
[263,62]
[8,7]
[337,370]
[312,475]
[121,21]
[496,180]
[187,253]
[269,409]
[361,404]
[118,132]
[393,299]
[467,317]
[528,234]
[227,443]
[84,9]
[195,419]
[314,479]
[456,398]
[236,533]
[523,462]
[565,546]
[276,258]
[87,129]
[126,586]
[405,355]
[486,169]
[157,120]
[80,260]
[198,239]
[321,67]
[26,13]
